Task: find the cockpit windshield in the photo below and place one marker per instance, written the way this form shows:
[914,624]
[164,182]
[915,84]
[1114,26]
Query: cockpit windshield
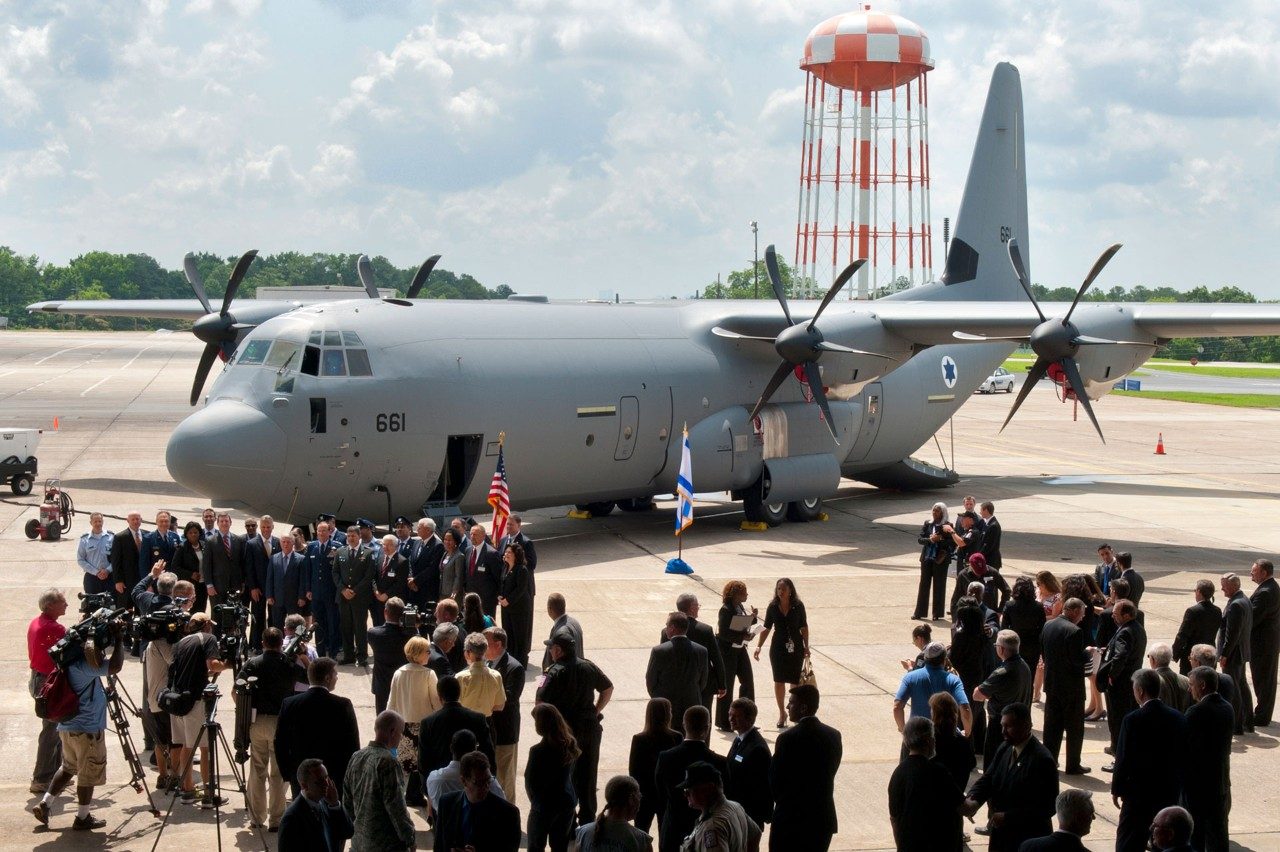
[328,354]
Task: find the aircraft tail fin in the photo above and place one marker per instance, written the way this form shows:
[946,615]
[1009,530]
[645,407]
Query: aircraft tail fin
[994,207]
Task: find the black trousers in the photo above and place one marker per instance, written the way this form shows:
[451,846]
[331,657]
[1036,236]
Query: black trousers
[1134,829]
[789,838]
[1209,814]
[585,769]
[550,827]
[737,666]
[1119,702]
[1064,713]
[1262,666]
[935,576]
[258,611]
[354,614]
[1244,712]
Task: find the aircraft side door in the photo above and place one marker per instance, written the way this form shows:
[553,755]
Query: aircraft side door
[628,427]
[872,413]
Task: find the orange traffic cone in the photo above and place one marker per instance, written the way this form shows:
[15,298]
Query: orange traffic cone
[1160,444]
[55,424]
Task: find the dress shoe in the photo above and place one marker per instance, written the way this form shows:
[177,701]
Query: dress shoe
[1108,750]
[1110,767]
[88,823]
[1079,770]
[41,813]
[37,788]
[982,830]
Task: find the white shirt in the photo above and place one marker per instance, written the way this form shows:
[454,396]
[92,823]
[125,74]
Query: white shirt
[449,780]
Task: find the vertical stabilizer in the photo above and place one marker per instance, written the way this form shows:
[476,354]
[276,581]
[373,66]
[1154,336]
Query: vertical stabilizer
[994,206]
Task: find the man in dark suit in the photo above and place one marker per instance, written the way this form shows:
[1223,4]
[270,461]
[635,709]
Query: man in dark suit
[387,641]
[424,565]
[390,576]
[1137,585]
[1063,648]
[353,578]
[284,586]
[515,536]
[676,818]
[444,640]
[1234,649]
[702,634]
[483,574]
[1148,767]
[222,564]
[1207,655]
[924,799]
[125,557]
[802,777]
[316,820]
[1206,781]
[1019,788]
[1123,656]
[991,535]
[318,724]
[1075,820]
[257,566]
[1264,639]
[158,545]
[748,780]
[474,818]
[506,722]
[1199,625]
[1107,568]
[321,591]
[436,733]
[677,668]
[561,621]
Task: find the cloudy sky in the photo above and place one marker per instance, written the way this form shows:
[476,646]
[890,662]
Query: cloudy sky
[574,147]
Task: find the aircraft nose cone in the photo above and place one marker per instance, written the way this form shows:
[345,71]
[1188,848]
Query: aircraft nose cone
[228,452]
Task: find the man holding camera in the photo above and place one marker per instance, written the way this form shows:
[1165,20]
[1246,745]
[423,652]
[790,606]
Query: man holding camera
[269,678]
[42,634]
[83,736]
[306,653]
[154,596]
[195,658]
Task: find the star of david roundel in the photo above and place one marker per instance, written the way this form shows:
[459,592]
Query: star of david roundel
[949,374]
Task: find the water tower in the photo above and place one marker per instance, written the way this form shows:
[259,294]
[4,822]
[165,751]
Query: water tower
[864,164]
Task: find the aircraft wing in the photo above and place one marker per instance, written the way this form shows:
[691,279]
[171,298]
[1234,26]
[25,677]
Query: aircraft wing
[180,309]
[1186,319]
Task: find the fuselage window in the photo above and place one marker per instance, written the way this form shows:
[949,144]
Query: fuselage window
[358,362]
[333,338]
[311,361]
[332,363]
[254,352]
[282,352]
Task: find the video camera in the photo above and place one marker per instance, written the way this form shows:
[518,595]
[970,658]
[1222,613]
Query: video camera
[103,625]
[167,623]
[294,646]
[232,620]
[244,689]
[421,620]
[90,604]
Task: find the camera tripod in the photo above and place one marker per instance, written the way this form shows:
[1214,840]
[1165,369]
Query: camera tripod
[212,737]
[119,707]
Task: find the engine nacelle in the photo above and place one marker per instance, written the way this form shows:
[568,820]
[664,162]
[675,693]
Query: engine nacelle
[1102,365]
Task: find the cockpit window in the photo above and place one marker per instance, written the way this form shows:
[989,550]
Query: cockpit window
[311,360]
[332,362]
[333,338]
[282,351]
[358,362]
[316,337]
[350,338]
[254,352]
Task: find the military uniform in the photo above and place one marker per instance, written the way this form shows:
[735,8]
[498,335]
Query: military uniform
[571,686]
[723,827]
[324,596]
[93,554]
[353,569]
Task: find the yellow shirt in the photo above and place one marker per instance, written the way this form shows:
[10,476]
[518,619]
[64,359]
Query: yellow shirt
[481,688]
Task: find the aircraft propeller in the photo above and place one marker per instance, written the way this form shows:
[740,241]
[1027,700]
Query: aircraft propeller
[220,330]
[800,345]
[1055,341]
[365,268]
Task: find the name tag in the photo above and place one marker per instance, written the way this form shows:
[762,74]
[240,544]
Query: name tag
[480,569]
[391,574]
[738,758]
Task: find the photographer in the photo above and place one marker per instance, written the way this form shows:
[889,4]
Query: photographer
[387,642]
[275,679]
[84,745]
[306,654]
[43,632]
[195,658]
[155,663]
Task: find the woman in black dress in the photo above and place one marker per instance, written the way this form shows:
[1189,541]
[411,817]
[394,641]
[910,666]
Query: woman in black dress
[973,657]
[1024,615]
[656,738]
[547,781]
[785,619]
[186,562]
[733,649]
[936,547]
[516,602]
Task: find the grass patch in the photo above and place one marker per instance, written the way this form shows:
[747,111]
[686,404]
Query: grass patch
[1221,372]
[1234,400]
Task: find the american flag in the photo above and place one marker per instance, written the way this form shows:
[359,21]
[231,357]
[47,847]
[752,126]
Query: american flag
[499,499]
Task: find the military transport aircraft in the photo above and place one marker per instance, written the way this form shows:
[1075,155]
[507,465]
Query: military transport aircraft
[359,406]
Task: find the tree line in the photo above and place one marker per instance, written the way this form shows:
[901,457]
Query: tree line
[24,279]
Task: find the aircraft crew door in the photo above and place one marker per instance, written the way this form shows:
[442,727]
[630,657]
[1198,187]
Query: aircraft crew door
[628,427]
[872,412]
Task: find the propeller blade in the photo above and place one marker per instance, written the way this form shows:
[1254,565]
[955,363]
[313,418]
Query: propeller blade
[979,338]
[841,280]
[420,277]
[1102,261]
[779,376]
[775,278]
[207,358]
[365,270]
[733,335]
[814,377]
[237,275]
[1086,340]
[1015,257]
[828,346]
[196,282]
[1034,375]
[1077,384]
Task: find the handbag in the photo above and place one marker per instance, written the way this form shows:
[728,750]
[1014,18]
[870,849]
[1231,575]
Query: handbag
[807,677]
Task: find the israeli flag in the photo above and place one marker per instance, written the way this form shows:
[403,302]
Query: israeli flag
[684,487]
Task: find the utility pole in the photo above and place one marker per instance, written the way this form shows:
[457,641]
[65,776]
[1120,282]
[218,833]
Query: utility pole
[755,267]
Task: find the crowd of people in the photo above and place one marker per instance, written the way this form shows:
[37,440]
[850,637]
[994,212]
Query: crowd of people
[446,622]
[1063,644]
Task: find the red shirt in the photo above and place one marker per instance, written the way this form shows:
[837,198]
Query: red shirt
[42,633]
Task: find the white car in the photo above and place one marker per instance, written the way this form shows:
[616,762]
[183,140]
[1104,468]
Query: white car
[1000,380]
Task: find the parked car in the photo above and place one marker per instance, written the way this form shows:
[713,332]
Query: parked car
[1000,380]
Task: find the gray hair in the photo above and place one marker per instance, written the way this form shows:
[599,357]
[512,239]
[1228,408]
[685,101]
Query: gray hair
[1161,654]
[1074,808]
[1008,640]
[49,597]
[1148,681]
[476,644]
[390,538]
[1206,677]
[1204,655]
[445,633]
[976,589]
[165,583]
[918,735]
[685,601]
[389,722]
[943,507]
[428,523]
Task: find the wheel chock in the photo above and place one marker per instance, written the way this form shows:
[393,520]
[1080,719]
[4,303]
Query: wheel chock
[753,526]
[579,514]
[822,516]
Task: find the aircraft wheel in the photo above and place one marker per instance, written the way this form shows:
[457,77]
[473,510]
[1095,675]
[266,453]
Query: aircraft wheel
[598,510]
[758,511]
[32,529]
[804,510]
[637,504]
[21,485]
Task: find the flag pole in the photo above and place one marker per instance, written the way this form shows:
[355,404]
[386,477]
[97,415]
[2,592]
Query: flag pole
[684,504]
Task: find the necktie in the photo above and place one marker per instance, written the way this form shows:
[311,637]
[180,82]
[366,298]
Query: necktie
[386,561]
[266,545]
[137,540]
[475,551]
[226,544]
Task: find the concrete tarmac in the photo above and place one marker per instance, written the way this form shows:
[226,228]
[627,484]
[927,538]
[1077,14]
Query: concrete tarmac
[1205,508]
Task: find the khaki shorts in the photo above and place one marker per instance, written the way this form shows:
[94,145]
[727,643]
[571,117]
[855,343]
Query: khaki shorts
[85,756]
[186,729]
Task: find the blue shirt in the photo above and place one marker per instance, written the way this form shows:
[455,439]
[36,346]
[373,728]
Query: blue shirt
[921,684]
[83,679]
[93,551]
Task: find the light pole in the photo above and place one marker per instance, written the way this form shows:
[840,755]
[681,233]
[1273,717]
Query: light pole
[755,267]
